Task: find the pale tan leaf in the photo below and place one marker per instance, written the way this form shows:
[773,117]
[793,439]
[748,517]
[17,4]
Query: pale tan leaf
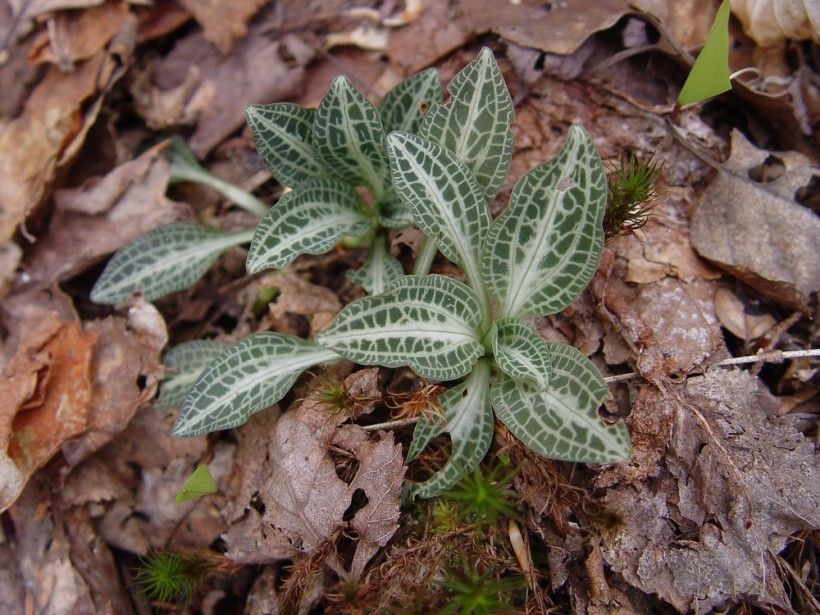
[770,22]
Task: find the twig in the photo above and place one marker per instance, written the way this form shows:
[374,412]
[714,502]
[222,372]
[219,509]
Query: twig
[775,356]
[391,424]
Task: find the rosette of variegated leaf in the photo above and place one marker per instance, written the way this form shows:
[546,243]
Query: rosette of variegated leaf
[185,362]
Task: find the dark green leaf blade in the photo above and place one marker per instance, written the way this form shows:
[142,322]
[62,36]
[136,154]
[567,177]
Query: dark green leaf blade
[249,376]
[543,250]
[428,323]
[169,258]
[282,133]
[349,139]
[561,421]
[403,107]
[309,219]
[475,123]
[468,418]
[185,363]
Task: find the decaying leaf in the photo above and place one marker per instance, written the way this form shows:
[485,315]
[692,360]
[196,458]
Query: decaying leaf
[664,252]
[732,315]
[100,217]
[732,481]
[72,36]
[203,86]
[323,478]
[49,131]
[223,22]
[125,373]
[61,562]
[45,394]
[555,28]
[757,231]
[770,22]
[298,296]
[670,322]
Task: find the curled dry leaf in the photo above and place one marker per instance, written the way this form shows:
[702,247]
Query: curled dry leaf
[757,231]
[298,296]
[732,315]
[78,35]
[195,84]
[770,22]
[731,481]
[48,133]
[61,562]
[125,373]
[670,323]
[45,395]
[324,478]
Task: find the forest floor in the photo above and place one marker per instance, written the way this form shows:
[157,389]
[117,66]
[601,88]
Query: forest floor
[718,507]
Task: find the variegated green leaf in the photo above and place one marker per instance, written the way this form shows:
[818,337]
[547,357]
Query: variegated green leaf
[163,261]
[185,363]
[307,220]
[428,323]
[562,422]
[468,418]
[520,352]
[250,376]
[475,122]
[349,139]
[379,270]
[403,107]
[282,133]
[544,249]
[444,197]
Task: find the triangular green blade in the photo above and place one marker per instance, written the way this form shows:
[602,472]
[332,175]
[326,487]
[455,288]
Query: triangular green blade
[710,73]
[198,484]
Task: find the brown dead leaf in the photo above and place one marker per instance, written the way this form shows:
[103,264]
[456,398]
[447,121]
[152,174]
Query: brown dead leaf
[44,400]
[671,323]
[223,22]
[71,36]
[146,516]
[100,217]
[125,373]
[35,8]
[663,251]
[757,231]
[10,255]
[688,21]
[441,25]
[317,470]
[298,296]
[49,131]
[61,560]
[732,315]
[732,481]
[554,27]
[770,22]
[194,83]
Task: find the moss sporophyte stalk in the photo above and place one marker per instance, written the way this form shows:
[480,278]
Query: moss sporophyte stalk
[434,165]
